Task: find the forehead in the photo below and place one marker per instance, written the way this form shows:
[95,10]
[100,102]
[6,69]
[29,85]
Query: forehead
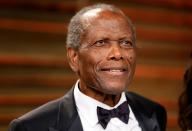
[99,13]
[104,23]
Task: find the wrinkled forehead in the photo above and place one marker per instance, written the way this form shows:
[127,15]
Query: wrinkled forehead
[98,13]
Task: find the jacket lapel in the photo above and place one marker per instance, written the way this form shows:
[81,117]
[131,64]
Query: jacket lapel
[52,129]
[146,116]
[76,125]
[68,118]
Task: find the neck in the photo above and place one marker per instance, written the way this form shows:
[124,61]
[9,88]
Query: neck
[108,99]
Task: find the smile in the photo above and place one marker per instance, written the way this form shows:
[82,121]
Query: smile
[114,71]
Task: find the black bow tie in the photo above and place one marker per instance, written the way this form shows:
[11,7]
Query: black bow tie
[104,116]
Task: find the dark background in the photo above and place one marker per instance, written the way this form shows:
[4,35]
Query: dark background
[33,65]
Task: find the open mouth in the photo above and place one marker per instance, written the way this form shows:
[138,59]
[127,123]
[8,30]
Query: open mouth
[114,71]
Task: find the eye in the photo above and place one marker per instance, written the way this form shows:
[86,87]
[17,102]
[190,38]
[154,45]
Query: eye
[100,43]
[126,43]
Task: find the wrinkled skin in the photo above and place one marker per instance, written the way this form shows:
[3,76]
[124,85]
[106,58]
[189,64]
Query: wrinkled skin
[106,59]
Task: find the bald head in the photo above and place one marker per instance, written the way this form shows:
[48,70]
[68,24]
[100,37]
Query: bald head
[83,19]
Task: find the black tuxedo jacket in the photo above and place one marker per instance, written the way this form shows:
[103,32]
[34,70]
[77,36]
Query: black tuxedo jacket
[61,115]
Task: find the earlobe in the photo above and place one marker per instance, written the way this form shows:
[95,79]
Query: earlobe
[72,56]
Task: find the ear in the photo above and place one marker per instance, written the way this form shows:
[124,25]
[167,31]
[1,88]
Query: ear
[73,59]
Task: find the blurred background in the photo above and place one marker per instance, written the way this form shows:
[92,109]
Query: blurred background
[33,65]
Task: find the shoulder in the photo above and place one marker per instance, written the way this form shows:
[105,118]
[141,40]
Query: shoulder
[144,102]
[144,107]
[149,107]
[38,118]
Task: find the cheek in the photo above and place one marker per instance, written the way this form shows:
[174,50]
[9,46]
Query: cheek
[89,60]
[131,56]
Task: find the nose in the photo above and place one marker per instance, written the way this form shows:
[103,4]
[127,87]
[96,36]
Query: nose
[115,52]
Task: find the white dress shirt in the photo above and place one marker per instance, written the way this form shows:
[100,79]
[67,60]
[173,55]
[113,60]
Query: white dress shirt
[87,110]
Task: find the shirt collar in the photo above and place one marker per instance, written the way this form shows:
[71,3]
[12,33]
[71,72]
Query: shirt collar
[87,106]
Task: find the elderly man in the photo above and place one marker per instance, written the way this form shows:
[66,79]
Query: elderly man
[101,49]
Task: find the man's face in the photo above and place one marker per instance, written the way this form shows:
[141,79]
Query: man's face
[106,57]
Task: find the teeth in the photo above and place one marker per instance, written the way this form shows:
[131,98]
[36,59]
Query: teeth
[114,70]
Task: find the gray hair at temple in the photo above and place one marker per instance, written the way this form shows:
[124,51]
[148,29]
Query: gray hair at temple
[76,27]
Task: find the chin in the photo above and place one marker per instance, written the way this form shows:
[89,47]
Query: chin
[112,86]
[113,90]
